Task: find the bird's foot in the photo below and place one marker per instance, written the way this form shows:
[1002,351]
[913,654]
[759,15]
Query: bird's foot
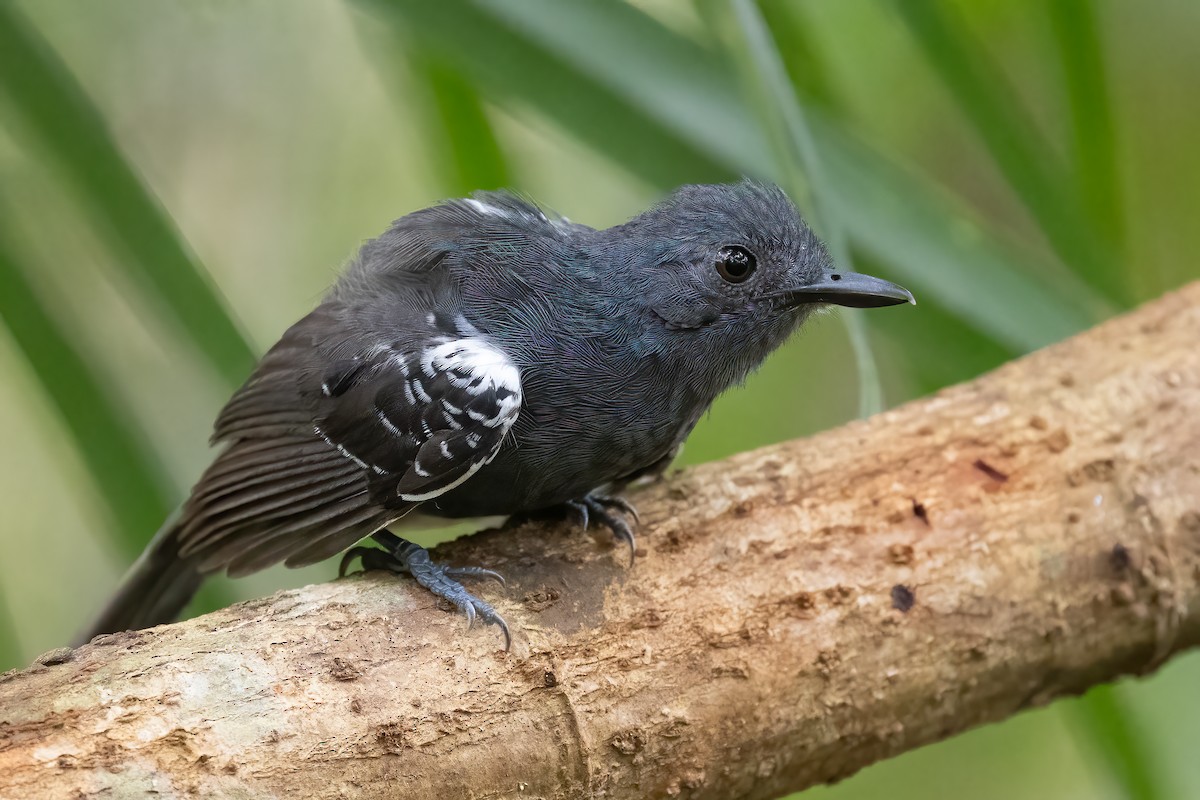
[402,556]
[611,511]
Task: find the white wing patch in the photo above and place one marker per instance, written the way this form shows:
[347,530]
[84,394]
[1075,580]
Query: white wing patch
[485,209]
[516,212]
[477,367]
[423,421]
[487,388]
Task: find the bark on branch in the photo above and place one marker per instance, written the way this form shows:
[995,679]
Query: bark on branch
[798,613]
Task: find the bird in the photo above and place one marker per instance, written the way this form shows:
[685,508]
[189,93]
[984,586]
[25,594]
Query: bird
[486,357]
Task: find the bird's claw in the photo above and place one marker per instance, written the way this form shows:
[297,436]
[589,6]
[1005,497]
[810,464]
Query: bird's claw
[405,557]
[601,507]
[621,503]
[580,508]
[456,594]
[475,572]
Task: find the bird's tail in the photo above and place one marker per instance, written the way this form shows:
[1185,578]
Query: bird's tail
[153,592]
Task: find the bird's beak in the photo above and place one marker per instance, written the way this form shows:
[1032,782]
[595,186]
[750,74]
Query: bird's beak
[850,289]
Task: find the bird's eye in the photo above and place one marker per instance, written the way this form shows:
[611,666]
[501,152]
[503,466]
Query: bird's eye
[735,263]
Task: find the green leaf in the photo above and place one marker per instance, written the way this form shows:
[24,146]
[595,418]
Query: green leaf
[657,120]
[1102,721]
[454,119]
[670,80]
[1093,136]
[508,64]
[459,127]
[62,123]
[805,69]
[1000,120]
[128,474]
[937,250]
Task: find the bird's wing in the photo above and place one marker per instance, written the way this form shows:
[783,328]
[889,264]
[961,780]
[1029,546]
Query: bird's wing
[321,457]
[421,421]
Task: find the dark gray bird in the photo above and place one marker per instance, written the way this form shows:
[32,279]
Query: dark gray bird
[482,358]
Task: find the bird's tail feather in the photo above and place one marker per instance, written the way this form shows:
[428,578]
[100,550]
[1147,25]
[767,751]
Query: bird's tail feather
[154,591]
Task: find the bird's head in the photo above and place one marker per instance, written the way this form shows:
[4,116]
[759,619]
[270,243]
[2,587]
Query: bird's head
[733,267]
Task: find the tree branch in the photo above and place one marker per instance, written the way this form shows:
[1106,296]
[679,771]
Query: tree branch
[799,612]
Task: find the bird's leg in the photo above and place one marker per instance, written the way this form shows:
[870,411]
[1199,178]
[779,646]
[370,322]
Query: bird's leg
[611,510]
[400,555]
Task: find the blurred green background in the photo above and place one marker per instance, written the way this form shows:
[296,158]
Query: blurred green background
[180,181]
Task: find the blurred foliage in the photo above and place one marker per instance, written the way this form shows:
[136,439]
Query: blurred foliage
[65,128]
[168,169]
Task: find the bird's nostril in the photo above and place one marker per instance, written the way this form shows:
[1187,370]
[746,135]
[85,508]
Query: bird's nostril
[835,277]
